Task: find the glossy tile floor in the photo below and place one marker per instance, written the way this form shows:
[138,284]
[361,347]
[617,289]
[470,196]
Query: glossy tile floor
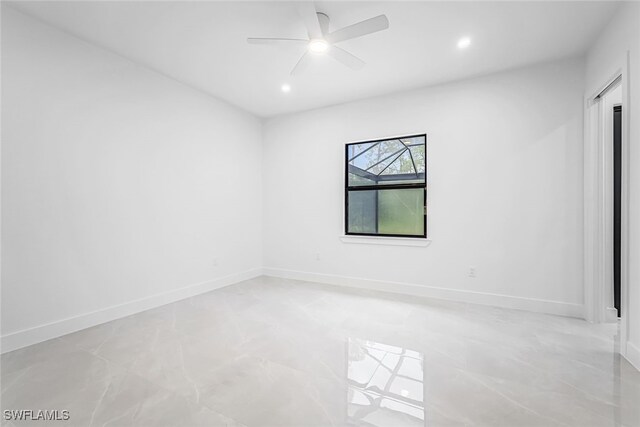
[271,352]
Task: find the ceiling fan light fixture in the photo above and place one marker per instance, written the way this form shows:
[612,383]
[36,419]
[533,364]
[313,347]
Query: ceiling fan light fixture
[318,46]
[323,42]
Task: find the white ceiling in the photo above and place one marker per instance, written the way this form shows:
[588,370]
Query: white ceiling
[203,44]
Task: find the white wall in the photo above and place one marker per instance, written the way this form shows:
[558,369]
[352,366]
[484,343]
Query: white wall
[504,190]
[118,184]
[621,38]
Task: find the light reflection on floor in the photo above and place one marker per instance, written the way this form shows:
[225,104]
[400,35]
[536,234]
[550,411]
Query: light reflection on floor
[385,385]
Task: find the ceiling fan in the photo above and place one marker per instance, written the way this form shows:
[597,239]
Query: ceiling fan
[321,41]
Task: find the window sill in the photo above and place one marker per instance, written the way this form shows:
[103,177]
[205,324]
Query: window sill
[388,241]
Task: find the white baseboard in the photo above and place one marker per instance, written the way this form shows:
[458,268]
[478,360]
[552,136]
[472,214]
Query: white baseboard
[58,328]
[498,300]
[633,355]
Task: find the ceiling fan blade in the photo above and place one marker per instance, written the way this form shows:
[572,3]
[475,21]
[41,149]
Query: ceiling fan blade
[309,15]
[272,40]
[360,29]
[301,65]
[345,57]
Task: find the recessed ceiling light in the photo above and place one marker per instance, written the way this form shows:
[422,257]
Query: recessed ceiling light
[318,46]
[464,43]
[286,88]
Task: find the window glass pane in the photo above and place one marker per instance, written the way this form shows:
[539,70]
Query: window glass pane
[356,180]
[402,165]
[417,152]
[362,211]
[401,211]
[386,162]
[355,149]
[375,154]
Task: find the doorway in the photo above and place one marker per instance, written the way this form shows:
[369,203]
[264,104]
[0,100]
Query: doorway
[606,184]
[610,107]
[617,206]
[606,203]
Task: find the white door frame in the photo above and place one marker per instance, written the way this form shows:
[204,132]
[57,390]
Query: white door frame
[598,218]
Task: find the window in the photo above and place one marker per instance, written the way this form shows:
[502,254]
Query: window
[385,187]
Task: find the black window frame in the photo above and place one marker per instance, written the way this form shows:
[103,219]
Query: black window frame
[348,188]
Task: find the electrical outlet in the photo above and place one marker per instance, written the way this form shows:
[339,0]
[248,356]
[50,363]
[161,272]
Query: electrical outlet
[472,272]
[317,256]
[214,262]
